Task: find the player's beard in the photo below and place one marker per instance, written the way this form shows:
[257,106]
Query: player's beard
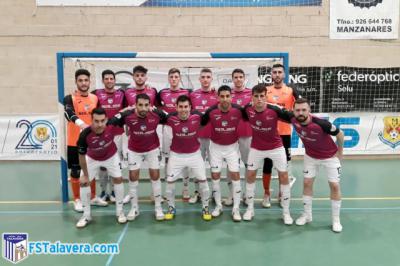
[142,113]
[301,118]
[83,89]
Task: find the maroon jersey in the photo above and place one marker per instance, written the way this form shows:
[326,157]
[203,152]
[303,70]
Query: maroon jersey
[223,124]
[201,101]
[142,131]
[185,132]
[98,147]
[130,95]
[112,103]
[316,137]
[166,99]
[242,98]
[265,126]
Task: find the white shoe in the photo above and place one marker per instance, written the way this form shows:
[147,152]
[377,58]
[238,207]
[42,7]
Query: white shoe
[185,195]
[266,202]
[287,219]
[126,199]
[236,215]
[159,214]
[228,201]
[112,197]
[304,219]
[133,213]
[96,201]
[78,205]
[217,211]
[336,225]
[83,222]
[195,198]
[121,218]
[248,215]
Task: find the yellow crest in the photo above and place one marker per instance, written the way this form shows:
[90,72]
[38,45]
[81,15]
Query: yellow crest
[391,131]
[41,134]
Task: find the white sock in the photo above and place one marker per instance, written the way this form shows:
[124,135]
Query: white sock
[133,193]
[119,197]
[204,193]
[250,191]
[336,208]
[156,185]
[196,186]
[237,193]
[216,191]
[229,183]
[85,198]
[103,180]
[285,189]
[307,201]
[170,194]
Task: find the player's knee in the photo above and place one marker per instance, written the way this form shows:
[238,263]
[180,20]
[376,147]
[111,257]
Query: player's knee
[75,172]
[117,180]
[308,182]
[335,188]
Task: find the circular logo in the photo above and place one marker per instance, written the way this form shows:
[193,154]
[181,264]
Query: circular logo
[365,3]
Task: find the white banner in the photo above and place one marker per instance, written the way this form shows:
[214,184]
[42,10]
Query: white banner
[90,2]
[365,134]
[29,137]
[364,19]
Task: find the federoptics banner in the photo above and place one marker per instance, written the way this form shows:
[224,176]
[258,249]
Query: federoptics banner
[364,19]
[29,137]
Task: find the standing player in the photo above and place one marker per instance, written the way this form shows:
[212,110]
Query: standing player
[224,119]
[78,107]
[201,100]
[284,96]
[140,77]
[321,150]
[166,99]
[266,143]
[240,96]
[185,153]
[112,101]
[143,145]
[96,150]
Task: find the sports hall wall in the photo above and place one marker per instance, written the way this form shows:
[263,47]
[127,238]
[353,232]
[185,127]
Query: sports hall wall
[30,36]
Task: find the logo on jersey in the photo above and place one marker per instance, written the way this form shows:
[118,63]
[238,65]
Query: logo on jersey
[110,100]
[173,100]
[303,133]
[239,101]
[185,130]
[391,131]
[101,143]
[275,97]
[15,247]
[224,123]
[258,123]
[86,107]
[143,127]
[203,102]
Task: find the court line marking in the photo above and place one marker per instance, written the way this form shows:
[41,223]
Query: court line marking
[121,236]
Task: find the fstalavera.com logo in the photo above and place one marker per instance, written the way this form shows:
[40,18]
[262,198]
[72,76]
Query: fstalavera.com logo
[15,247]
[365,3]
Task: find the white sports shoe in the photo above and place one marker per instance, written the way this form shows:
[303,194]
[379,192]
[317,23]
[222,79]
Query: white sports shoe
[228,201]
[112,197]
[127,199]
[236,215]
[304,219]
[287,219]
[121,218]
[248,215]
[195,198]
[159,214]
[83,222]
[266,202]
[336,225]
[217,211]
[78,205]
[133,213]
[96,201]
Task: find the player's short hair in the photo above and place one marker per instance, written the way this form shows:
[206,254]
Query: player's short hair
[142,96]
[174,70]
[140,68]
[224,88]
[205,70]
[278,65]
[98,111]
[82,72]
[183,98]
[238,70]
[107,72]
[259,88]
[301,100]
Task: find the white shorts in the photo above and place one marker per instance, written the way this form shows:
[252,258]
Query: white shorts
[244,148]
[228,152]
[166,140]
[332,166]
[112,165]
[135,159]
[278,157]
[179,161]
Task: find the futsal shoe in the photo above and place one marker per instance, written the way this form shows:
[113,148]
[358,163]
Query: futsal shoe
[78,205]
[287,219]
[132,214]
[236,215]
[336,225]
[170,215]
[266,202]
[83,222]
[217,211]
[185,195]
[112,197]
[96,201]
[206,214]
[127,199]
[228,201]
[104,196]
[195,198]
[121,218]
[248,215]
[159,214]
[304,219]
